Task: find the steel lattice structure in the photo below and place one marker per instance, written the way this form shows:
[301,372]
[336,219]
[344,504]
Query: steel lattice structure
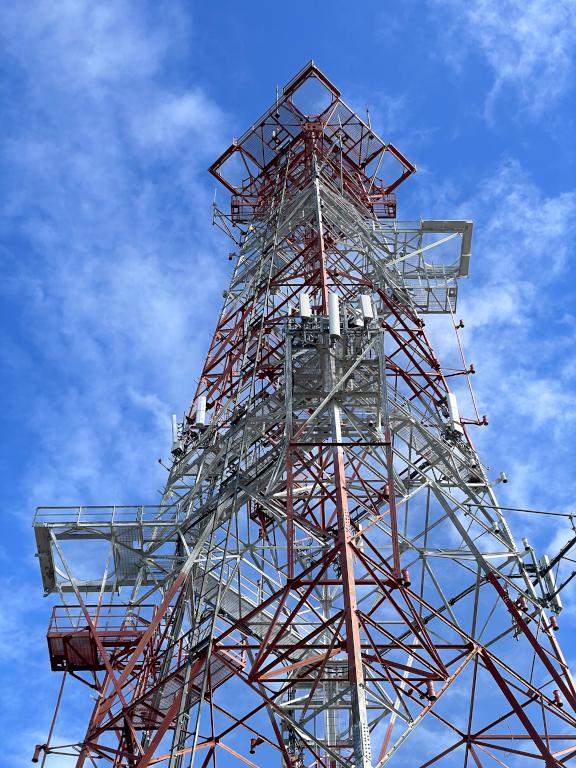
[328,580]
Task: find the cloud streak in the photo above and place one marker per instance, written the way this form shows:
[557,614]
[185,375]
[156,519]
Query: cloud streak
[112,276]
[528,46]
[108,212]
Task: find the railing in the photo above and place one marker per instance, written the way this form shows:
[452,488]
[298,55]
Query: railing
[383,205]
[73,646]
[106,618]
[158,514]
[243,209]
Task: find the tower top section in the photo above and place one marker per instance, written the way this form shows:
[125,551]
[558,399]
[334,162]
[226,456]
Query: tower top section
[309,131]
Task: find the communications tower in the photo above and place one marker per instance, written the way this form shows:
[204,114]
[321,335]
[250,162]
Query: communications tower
[328,580]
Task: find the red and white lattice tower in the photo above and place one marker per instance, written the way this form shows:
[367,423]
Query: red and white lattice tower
[328,580]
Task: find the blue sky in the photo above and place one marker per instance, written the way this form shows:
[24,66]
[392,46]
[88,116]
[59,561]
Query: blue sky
[113,274]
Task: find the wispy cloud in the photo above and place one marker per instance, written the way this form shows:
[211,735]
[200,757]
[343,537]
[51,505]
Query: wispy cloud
[112,276]
[108,213]
[528,45]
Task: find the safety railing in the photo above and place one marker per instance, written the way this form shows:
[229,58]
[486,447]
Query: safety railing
[105,618]
[158,514]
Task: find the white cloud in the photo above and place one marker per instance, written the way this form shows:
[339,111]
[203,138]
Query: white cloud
[175,118]
[118,274]
[17,611]
[113,276]
[546,402]
[76,42]
[528,45]
[110,205]
[522,243]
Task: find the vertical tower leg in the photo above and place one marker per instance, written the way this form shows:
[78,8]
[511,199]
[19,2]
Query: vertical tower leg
[360,729]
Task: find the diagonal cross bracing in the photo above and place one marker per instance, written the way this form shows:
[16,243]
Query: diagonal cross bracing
[328,568]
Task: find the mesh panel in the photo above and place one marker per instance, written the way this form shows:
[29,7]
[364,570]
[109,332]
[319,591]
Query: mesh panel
[151,709]
[127,560]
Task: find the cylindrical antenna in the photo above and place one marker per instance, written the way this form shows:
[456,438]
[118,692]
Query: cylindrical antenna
[367,307]
[305,309]
[334,315]
[454,413]
[201,411]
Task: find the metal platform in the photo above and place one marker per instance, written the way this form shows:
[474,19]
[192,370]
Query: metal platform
[131,531]
[71,642]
